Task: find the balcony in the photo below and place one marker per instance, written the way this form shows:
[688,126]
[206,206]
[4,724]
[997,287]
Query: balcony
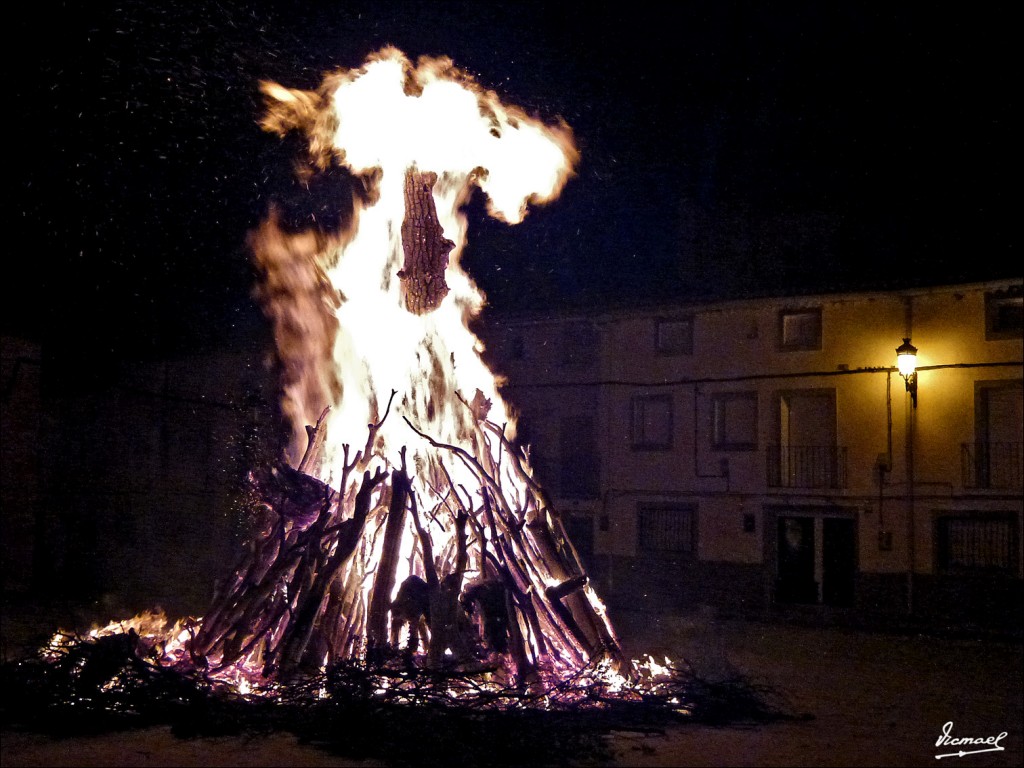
[991,466]
[806,466]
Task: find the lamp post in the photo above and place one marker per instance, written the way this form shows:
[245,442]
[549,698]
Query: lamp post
[906,364]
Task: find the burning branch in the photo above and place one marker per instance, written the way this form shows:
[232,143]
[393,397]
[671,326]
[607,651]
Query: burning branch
[384,581]
[316,435]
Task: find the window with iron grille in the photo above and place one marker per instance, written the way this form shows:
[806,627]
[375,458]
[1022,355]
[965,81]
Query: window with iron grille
[977,543]
[667,528]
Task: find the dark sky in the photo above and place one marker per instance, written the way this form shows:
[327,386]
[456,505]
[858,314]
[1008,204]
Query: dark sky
[727,148]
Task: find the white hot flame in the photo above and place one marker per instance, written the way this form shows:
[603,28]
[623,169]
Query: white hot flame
[381,121]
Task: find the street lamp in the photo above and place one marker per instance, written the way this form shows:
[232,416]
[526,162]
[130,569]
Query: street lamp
[906,363]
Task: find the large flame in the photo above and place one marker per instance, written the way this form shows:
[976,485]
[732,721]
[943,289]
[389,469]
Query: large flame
[382,121]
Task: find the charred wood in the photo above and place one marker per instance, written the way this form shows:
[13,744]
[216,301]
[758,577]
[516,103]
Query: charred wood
[384,580]
[425,246]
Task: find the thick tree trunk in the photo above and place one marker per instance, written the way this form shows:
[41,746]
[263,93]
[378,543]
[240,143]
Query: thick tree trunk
[425,246]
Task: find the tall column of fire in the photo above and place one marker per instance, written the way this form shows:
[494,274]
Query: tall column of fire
[402,471]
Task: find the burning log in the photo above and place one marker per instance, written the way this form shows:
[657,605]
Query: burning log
[316,436]
[384,580]
[425,246]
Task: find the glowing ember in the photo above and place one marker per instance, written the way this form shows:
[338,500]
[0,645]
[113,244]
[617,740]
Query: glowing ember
[405,524]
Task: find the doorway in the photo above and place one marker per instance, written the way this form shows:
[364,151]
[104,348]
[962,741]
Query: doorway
[816,559]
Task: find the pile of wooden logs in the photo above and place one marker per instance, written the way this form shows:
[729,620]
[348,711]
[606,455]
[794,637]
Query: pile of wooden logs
[506,591]
[395,559]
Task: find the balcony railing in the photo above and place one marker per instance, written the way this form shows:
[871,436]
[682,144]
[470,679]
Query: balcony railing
[806,466]
[991,465]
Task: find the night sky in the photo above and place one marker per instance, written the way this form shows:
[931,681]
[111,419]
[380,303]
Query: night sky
[727,149]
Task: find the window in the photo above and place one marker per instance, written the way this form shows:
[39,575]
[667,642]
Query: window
[580,464]
[977,543]
[993,460]
[803,453]
[665,528]
[674,336]
[734,416]
[799,329]
[1004,315]
[652,422]
[579,345]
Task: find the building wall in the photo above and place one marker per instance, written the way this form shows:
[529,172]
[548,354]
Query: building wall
[128,489]
[842,397]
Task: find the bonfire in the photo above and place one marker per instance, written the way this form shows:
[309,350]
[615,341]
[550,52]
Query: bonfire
[402,551]
[410,521]
[404,524]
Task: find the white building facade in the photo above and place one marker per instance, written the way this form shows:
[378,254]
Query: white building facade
[765,455]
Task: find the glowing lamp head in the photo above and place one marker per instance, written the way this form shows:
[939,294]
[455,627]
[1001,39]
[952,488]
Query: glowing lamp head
[906,358]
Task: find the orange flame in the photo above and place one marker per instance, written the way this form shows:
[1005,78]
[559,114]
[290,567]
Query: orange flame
[380,121]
